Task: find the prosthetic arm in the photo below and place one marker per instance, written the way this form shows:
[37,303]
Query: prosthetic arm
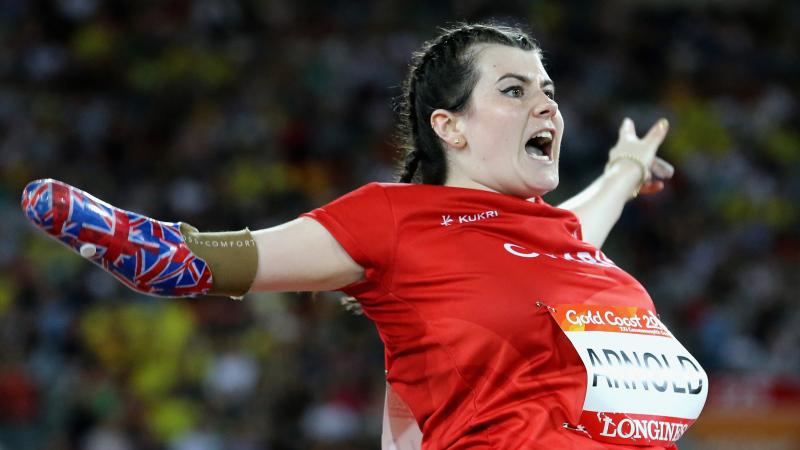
[165,259]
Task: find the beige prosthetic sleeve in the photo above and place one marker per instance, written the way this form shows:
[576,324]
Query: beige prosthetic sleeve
[231,255]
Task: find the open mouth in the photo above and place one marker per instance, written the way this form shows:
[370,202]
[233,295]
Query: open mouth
[540,146]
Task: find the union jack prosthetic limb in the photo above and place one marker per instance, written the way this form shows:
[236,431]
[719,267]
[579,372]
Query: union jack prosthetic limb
[146,255]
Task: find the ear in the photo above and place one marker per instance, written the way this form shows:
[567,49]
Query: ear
[447,126]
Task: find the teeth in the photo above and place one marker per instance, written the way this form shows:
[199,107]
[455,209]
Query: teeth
[536,147]
[536,153]
[539,157]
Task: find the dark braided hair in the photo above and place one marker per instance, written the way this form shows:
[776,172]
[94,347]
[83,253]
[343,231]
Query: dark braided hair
[443,75]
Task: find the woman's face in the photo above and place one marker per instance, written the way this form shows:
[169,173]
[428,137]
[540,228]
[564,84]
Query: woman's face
[512,126]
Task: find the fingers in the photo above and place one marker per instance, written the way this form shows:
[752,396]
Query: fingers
[651,187]
[662,169]
[644,150]
[657,132]
[627,130]
[655,135]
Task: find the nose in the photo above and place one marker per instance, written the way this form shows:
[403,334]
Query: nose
[546,107]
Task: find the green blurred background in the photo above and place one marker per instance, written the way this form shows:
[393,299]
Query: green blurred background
[228,114]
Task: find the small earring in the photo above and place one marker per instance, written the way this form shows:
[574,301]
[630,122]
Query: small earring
[457,141]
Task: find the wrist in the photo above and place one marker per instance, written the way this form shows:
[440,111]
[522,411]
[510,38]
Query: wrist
[232,257]
[629,169]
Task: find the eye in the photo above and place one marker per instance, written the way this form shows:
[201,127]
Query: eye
[514,91]
[551,94]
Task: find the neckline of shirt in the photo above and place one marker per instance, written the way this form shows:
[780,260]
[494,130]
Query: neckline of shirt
[537,200]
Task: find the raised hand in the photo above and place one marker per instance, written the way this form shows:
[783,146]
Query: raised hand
[630,147]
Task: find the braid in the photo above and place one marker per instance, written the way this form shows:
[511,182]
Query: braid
[410,167]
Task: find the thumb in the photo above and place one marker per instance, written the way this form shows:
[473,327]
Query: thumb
[627,130]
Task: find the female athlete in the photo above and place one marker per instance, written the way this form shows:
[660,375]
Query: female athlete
[504,325]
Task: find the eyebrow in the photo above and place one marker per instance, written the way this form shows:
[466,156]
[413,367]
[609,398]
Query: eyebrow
[545,83]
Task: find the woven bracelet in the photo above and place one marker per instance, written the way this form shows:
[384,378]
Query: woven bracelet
[641,164]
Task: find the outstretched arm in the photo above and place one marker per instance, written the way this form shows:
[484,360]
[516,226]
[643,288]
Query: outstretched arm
[171,259]
[632,162]
[302,255]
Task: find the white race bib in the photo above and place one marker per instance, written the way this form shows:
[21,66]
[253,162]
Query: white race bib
[643,386]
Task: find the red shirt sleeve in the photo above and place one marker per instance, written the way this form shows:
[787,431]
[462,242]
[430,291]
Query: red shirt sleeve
[364,224]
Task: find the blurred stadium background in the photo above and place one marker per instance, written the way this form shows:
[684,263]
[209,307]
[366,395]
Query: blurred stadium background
[228,114]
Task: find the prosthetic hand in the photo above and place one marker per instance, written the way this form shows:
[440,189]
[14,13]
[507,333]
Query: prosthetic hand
[165,259]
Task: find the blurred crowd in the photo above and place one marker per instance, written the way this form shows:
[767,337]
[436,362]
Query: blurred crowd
[227,114]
